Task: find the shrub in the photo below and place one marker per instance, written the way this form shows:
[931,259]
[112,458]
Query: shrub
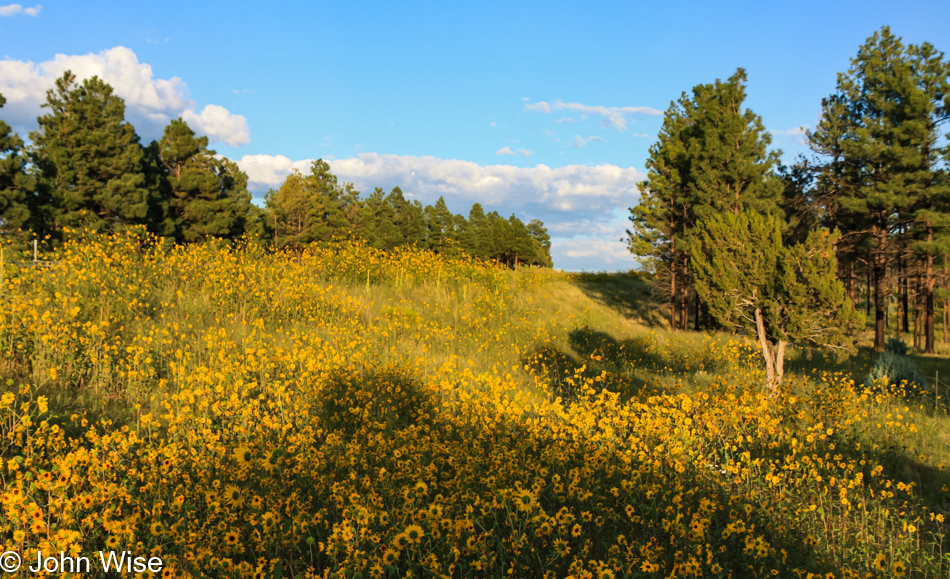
[894,366]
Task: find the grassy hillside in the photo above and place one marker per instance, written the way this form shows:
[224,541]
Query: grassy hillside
[359,414]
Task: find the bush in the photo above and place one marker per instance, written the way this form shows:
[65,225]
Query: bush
[894,366]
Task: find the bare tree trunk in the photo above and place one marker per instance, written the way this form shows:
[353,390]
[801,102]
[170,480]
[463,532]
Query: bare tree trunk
[673,273]
[774,355]
[946,314]
[696,303]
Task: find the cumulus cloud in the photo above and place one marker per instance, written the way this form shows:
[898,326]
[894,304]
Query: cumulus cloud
[505,151]
[610,116]
[592,187]
[267,171]
[218,121]
[591,254]
[526,152]
[542,107]
[150,102]
[17,9]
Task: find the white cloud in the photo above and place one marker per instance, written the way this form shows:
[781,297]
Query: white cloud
[790,132]
[593,187]
[538,106]
[610,116]
[526,152]
[216,120]
[581,143]
[584,251]
[150,102]
[505,151]
[267,171]
[565,120]
[15,9]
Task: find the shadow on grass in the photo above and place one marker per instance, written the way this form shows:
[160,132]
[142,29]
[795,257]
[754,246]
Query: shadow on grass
[492,454]
[626,293]
[633,368]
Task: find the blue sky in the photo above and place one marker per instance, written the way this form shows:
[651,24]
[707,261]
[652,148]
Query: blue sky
[542,109]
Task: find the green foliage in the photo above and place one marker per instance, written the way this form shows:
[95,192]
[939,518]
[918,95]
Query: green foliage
[878,173]
[207,196]
[711,157]
[313,207]
[89,158]
[751,281]
[18,203]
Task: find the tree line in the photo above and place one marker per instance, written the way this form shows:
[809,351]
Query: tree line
[85,168]
[875,174]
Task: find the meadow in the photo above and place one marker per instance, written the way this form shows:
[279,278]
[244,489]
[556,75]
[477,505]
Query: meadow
[347,412]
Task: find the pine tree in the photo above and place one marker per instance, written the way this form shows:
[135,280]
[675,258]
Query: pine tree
[878,159]
[206,196]
[712,156]
[314,207]
[18,202]
[90,159]
[542,243]
[439,226]
[780,294]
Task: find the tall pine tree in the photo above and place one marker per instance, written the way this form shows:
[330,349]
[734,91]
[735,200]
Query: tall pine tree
[206,196]
[89,159]
[711,157]
[18,205]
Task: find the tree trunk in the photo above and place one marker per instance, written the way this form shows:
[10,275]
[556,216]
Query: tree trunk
[696,302]
[774,355]
[905,303]
[928,286]
[879,311]
[673,295]
[849,283]
[946,314]
[684,296]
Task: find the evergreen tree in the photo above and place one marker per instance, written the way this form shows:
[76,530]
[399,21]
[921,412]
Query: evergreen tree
[313,207]
[752,281]
[207,197]
[711,157]
[18,206]
[474,238]
[521,247]
[90,159]
[877,145]
[542,243]
[439,226]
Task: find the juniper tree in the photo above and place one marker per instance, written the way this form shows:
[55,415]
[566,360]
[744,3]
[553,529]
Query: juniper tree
[751,281]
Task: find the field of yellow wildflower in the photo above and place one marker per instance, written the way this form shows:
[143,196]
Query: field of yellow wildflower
[352,413]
